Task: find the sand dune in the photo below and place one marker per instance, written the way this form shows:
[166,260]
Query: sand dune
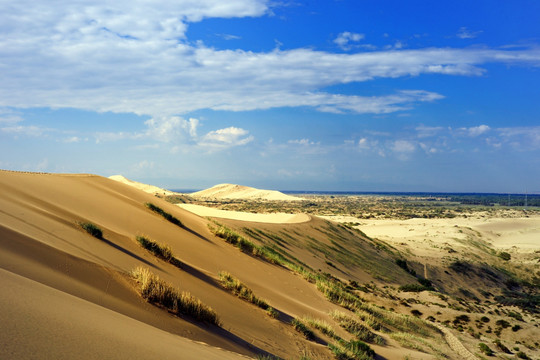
[274,218]
[44,250]
[151,189]
[70,294]
[231,191]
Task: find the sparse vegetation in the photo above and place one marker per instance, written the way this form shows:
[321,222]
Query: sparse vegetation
[235,286]
[356,328]
[92,229]
[302,328]
[158,292]
[164,214]
[504,255]
[162,251]
[485,349]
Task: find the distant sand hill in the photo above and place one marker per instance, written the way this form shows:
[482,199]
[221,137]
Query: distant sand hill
[144,187]
[232,191]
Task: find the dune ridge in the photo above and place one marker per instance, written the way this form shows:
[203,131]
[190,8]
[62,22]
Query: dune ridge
[232,191]
[68,285]
[151,189]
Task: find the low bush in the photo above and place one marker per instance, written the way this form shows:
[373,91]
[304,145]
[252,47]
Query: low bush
[92,229]
[158,292]
[163,213]
[235,286]
[162,251]
[302,328]
[414,288]
[485,349]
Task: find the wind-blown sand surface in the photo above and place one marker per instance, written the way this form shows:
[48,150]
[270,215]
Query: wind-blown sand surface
[520,234]
[67,294]
[274,218]
[151,189]
[232,191]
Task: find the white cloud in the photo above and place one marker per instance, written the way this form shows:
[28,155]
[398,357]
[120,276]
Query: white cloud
[31,130]
[167,129]
[475,130]
[134,57]
[225,138]
[428,131]
[522,138]
[403,146]
[345,39]
[303,142]
[465,33]
[9,117]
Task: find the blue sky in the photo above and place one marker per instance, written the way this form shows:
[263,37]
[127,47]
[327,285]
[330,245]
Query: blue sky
[292,95]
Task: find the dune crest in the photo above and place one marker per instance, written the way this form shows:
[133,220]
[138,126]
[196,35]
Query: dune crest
[274,218]
[151,189]
[233,191]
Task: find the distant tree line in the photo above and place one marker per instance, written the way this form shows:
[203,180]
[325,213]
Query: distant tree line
[497,199]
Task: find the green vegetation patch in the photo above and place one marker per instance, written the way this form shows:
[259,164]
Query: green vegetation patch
[235,286]
[302,329]
[158,292]
[92,229]
[163,213]
[161,251]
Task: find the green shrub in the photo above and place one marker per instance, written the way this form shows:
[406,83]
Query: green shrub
[163,213]
[501,346]
[522,355]
[92,229]
[157,291]
[502,323]
[504,255]
[485,349]
[360,349]
[413,288]
[302,328]
[162,251]
[239,289]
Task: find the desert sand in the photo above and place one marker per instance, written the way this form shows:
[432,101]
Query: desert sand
[519,234]
[151,189]
[274,218]
[232,191]
[71,296]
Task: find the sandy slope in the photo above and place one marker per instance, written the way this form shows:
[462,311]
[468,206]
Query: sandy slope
[231,191]
[151,189]
[274,218]
[43,249]
[517,234]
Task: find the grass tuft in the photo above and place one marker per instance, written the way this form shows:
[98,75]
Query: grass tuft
[161,251]
[235,286]
[92,229]
[356,328]
[163,213]
[158,292]
[302,328]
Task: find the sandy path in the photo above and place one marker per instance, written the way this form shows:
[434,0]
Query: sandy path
[455,344]
[275,218]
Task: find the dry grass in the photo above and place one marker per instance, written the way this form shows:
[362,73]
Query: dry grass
[356,328]
[162,251]
[234,285]
[322,326]
[158,292]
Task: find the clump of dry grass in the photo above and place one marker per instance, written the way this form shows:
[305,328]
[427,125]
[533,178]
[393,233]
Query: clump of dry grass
[234,285]
[156,291]
[162,251]
[356,328]
[322,326]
